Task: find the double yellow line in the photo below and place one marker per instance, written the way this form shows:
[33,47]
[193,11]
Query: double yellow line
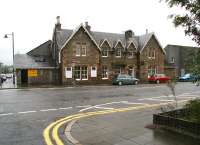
[53,128]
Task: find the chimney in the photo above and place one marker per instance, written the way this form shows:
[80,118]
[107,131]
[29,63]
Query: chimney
[87,26]
[58,25]
[129,34]
[147,31]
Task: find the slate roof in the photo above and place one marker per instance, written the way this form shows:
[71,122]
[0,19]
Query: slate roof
[41,50]
[25,61]
[139,41]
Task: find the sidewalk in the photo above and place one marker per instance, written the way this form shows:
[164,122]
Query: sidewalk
[126,128]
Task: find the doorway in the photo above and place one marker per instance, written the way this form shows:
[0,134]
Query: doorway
[24,76]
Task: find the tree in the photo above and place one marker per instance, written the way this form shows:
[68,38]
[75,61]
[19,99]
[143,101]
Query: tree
[190,21]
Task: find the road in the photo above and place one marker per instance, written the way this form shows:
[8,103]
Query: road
[25,113]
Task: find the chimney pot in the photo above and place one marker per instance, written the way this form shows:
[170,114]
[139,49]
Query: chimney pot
[58,25]
[87,26]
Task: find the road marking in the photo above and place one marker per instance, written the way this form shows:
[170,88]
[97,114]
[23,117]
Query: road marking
[83,106]
[133,103]
[57,124]
[45,110]
[65,108]
[6,114]
[26,112]
[91,107]
[161,100]
[106,108]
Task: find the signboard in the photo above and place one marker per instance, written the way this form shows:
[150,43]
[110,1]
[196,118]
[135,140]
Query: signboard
[94,71]
[32,73]
[68,72]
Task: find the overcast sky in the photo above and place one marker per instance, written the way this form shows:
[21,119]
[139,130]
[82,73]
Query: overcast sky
[32,21]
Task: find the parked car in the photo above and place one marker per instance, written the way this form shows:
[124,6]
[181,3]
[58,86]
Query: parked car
[124,79]
[188,78]
[8,76]
[158,78]
[3,76]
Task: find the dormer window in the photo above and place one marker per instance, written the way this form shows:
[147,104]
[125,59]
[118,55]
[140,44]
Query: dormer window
[118,53]
[130,54]
[105,52]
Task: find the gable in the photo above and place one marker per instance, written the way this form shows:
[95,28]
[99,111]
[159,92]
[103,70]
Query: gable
[119,44]
[131,46]
[152,42]
[105,43]
[83,29]
[41,50]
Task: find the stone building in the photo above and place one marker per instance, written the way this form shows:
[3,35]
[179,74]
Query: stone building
[83,56]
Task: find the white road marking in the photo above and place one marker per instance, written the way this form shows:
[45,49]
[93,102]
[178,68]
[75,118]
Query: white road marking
[26,112]
[134,103]
[91,107]
[83,106]
[45,110]
[162,100]
[6,114]
[106,108]
[65,108]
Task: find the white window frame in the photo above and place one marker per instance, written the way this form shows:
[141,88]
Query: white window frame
[132,56]
[78,79]
[78,48]
[82,72]
[83,46]
[172,60]
[105,50]
[102,73]
[118,50]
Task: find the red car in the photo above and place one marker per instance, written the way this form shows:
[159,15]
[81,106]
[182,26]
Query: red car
[158,78]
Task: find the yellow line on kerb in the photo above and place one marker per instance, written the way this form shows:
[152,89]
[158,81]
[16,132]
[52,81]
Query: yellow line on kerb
[57,124]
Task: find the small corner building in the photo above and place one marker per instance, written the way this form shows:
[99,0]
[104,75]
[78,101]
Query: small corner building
[89,57]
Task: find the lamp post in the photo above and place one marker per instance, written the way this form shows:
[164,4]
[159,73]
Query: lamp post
[13,47]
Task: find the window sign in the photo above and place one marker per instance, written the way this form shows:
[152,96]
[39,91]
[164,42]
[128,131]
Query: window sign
[32,73]
[68,72]
[93,71]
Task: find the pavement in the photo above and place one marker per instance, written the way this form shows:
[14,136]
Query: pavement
[129,128]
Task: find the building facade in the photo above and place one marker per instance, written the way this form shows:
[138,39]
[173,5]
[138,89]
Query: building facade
[177,56]
[83,56]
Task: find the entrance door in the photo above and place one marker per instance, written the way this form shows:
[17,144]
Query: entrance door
[24,76]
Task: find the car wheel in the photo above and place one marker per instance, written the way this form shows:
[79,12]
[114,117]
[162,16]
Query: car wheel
[136,82]
[120,83]
[157,82]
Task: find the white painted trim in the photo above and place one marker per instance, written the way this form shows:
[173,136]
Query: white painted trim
[130,45]
[72,35]
[119,41]
[149,40]
[105,40]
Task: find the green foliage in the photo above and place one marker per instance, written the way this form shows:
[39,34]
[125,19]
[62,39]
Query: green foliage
[194,107]
[5,68]
[190,20]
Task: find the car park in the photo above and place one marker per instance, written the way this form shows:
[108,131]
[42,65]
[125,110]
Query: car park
[158,78]
[124,79]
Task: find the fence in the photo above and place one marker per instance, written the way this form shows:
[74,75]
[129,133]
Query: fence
[172,120]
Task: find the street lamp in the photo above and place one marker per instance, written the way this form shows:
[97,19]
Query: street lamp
[13,47]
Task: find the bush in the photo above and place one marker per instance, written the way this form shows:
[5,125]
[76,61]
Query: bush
[194,111]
